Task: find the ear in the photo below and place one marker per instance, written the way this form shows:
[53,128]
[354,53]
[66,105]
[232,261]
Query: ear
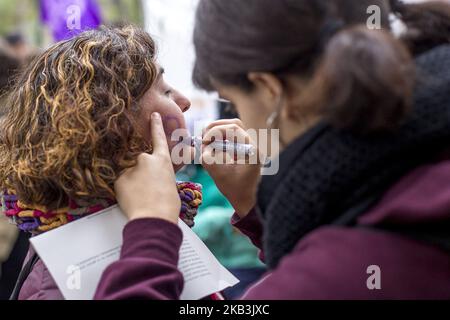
[268,86]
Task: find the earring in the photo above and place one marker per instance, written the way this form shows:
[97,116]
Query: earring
[273,122]
[274,117]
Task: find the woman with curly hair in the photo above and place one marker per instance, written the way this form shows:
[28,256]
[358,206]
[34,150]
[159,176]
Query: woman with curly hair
[78,117]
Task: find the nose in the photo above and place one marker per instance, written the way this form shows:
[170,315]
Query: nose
[182,102]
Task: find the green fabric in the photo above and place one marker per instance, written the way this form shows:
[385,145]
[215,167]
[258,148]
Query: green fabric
[213,226]
[233,249]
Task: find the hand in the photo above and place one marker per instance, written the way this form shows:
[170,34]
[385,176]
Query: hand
[149,189]
[237,182]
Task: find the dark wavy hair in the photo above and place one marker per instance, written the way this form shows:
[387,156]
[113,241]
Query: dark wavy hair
[356,78]
[70,122]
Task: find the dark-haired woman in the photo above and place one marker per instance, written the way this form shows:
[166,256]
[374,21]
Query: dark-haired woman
[360,206]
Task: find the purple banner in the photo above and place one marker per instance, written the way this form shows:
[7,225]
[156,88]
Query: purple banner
[67,18]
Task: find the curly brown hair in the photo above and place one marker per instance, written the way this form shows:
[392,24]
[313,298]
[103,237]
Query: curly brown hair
[70,125]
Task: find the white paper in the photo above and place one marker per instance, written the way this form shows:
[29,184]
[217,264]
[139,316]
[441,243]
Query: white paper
[77,254]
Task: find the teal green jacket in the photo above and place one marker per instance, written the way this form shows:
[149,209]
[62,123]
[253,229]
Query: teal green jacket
[212,225]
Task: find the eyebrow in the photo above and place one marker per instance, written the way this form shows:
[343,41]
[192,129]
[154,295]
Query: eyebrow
[161,72]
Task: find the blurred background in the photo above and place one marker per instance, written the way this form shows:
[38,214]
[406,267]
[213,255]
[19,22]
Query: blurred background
[30,26]
[23,16]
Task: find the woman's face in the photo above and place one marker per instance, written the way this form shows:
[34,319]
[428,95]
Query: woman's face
[252,107]
[167,101]
[268,100]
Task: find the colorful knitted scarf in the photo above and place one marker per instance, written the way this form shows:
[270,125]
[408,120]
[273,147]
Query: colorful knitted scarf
[36,219]
[191,199]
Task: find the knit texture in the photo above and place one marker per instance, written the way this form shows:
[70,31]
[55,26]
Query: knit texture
[191,199]
[328,171]
[35,219]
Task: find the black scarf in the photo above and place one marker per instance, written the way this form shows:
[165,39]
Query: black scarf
[326,172]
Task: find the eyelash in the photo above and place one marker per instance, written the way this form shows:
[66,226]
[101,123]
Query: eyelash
[168,92]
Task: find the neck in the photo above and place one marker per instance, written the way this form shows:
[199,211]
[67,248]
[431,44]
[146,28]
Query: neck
[292,129]
[295,120]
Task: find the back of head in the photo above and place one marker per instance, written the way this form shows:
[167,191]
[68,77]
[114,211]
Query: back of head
[235,37]
[427,23]
[73,129]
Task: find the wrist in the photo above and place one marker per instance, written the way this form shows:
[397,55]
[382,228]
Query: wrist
[244,208]
[137,215]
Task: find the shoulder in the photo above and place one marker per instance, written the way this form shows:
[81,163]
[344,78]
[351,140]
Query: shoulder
[40,285]
[342,263]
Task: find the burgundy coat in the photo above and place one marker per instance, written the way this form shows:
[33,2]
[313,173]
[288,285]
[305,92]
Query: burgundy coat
[329,263]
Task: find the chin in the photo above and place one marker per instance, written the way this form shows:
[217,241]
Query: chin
[191,152]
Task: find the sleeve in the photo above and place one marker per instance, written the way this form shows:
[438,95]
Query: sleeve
[252,227]
[147,268]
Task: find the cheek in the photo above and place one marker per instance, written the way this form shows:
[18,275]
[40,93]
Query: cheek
[172,122]
[251,113]
[174,125]
[171,114]
[250,106]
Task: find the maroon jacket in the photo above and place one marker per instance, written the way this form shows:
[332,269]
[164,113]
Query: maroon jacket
[329,263]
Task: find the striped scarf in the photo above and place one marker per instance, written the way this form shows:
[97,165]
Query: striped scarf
[36,219]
